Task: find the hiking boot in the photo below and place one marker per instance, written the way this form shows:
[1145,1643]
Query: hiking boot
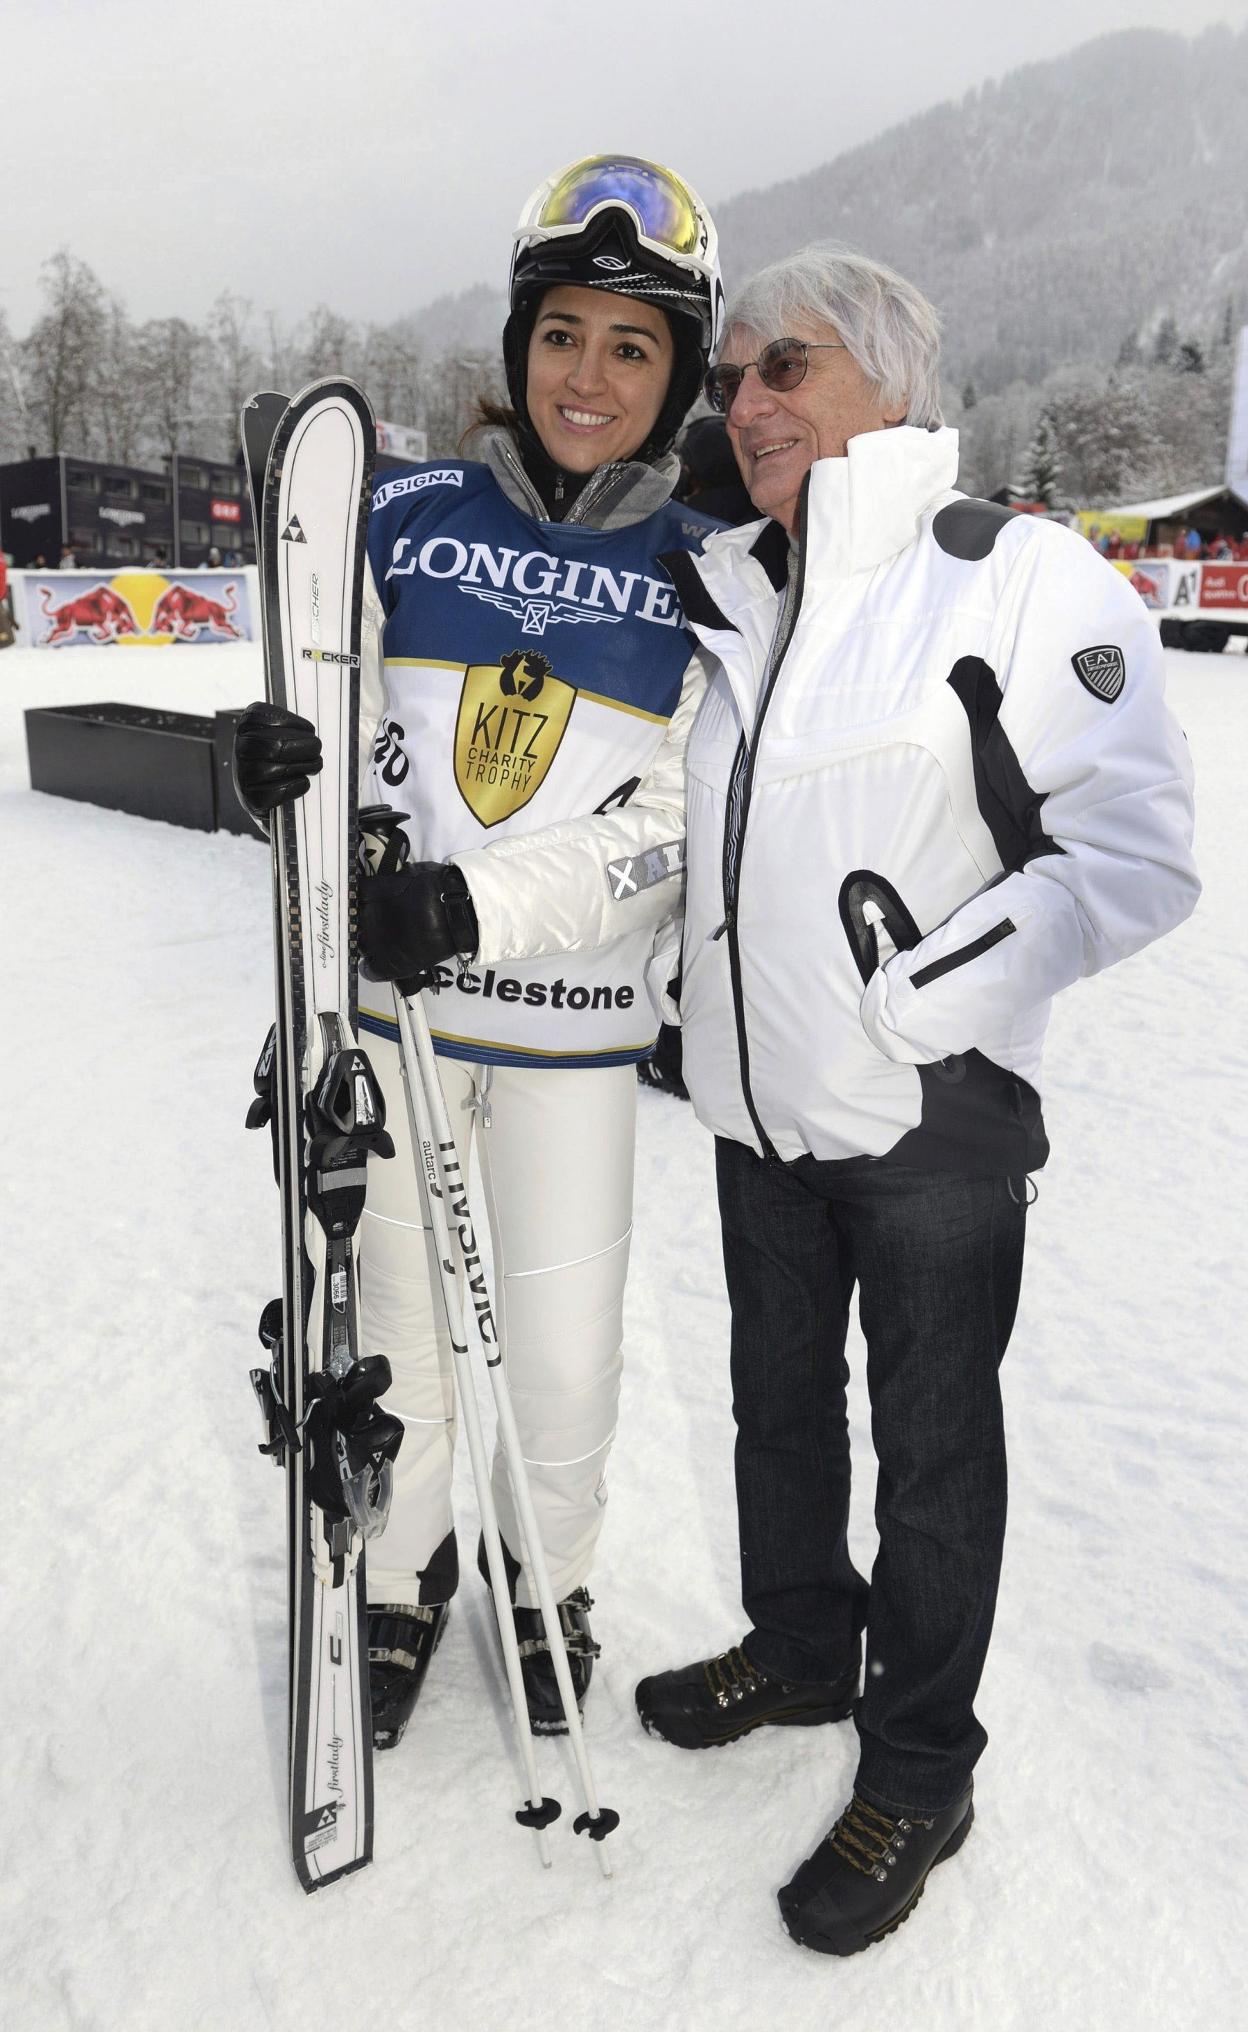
[868,1873]
[720,1699]
[401,1642]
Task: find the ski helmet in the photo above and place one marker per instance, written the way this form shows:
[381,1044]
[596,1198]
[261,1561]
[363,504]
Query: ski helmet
[619,223]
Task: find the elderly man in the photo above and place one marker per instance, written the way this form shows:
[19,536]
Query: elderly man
[931,782]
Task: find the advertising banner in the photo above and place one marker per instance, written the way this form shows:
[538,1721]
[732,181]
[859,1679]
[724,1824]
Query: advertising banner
[1224,586]
[1094,522]
[1151,578]
[134,609]
[402,442]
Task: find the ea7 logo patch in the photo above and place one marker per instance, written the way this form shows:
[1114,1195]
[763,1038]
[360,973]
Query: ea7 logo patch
[1102,671]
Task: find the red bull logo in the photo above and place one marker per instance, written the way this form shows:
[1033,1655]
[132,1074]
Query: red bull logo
[139,609]
[101,615]
[186,614]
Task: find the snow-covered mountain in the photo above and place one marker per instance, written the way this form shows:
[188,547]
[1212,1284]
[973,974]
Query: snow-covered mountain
[1050,214]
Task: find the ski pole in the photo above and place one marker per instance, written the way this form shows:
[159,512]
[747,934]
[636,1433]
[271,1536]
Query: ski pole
[416,1042]
[538,1812]
[385,848]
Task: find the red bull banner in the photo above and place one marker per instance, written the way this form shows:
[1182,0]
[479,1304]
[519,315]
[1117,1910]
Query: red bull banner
[134,609]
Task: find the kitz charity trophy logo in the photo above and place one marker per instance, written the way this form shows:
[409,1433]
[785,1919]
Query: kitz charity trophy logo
[512,718]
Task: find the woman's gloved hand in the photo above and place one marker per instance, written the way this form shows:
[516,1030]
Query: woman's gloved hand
[411,921]
[276,755]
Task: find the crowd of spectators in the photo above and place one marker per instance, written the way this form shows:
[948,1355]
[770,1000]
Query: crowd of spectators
[1187,544]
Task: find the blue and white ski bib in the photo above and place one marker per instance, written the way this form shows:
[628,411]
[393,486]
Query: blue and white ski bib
[530,671]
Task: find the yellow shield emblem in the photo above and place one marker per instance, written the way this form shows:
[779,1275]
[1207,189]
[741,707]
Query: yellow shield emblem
[512,717]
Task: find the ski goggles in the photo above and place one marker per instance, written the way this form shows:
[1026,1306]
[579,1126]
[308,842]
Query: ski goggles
[669,216]
[781,365]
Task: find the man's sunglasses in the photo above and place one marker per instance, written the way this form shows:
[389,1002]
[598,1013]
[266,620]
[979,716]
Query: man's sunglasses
[781,365]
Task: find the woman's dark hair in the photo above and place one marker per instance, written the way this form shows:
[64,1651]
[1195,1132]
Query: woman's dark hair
[488,414]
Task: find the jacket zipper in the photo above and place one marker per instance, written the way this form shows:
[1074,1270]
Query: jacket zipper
[734,838]
[964,954]
[592,492]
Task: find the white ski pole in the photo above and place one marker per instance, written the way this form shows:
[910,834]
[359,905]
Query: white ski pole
[539,1811]
[596,1821]
[386,848]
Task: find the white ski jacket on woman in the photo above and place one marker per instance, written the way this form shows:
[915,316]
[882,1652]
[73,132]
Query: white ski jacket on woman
[947,787]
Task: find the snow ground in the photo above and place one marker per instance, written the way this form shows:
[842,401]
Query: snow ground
[145,1880]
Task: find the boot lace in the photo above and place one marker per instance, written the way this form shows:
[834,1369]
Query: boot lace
[731,1677]
[868,1839]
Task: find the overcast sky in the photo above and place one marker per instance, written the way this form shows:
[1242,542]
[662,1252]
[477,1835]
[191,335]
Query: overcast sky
[374,155]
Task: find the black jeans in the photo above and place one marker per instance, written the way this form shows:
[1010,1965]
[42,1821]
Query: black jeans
[937,1258]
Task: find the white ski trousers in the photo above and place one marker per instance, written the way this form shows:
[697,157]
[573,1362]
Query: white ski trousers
[555,1159]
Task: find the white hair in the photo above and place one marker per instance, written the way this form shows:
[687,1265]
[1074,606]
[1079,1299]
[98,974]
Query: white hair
[888,326]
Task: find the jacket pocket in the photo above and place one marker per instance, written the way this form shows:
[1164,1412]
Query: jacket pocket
[868,902]
[964,954]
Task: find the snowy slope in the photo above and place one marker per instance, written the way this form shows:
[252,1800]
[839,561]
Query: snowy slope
[145,1880]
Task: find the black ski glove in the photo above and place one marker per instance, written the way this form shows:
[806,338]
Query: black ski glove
[411,920]
[276,754]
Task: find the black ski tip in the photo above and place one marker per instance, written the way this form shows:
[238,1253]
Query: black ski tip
[311,1883]
[596,1825]
[541,1816]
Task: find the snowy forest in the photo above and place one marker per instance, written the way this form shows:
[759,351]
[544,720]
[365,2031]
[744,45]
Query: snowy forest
[1079,224]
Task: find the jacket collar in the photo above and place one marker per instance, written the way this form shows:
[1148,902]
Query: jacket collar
[614,497]
[866,507]
[856,513]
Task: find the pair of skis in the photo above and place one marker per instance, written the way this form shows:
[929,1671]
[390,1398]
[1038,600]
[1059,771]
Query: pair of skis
[310,469]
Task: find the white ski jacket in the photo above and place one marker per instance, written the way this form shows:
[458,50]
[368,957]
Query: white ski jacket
[949,791]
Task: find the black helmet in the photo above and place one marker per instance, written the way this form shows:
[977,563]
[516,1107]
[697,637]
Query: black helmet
[616,222]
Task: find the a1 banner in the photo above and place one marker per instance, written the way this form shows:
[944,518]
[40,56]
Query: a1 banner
[149,609]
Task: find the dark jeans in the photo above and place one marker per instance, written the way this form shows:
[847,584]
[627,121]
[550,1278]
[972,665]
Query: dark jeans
[937,1258]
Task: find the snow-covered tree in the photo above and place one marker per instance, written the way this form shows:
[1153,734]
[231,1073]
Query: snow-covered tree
[58,355]
[1041,471]
[1166,343]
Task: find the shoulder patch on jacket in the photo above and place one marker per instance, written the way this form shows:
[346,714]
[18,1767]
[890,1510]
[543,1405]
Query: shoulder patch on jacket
[642,871]
[1101,670]
[969,529]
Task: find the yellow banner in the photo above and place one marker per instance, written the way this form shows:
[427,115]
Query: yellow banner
[1094,522]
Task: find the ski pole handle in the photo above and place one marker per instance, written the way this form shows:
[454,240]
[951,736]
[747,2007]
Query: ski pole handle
[384,846]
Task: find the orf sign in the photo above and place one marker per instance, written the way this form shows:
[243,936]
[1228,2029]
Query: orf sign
[226,511]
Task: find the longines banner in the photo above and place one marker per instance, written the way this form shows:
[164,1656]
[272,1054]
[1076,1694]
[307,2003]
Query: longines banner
[132,609]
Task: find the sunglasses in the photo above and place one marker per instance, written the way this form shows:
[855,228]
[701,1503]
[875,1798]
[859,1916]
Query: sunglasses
[781,365]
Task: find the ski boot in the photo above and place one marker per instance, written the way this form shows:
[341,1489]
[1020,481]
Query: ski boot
[541,1688]
[401,1642]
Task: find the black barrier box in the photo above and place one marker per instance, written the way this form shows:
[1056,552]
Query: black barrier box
[130,758]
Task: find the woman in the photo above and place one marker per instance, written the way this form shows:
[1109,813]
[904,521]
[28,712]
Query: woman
[533,670]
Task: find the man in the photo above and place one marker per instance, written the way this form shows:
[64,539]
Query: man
[932,781]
